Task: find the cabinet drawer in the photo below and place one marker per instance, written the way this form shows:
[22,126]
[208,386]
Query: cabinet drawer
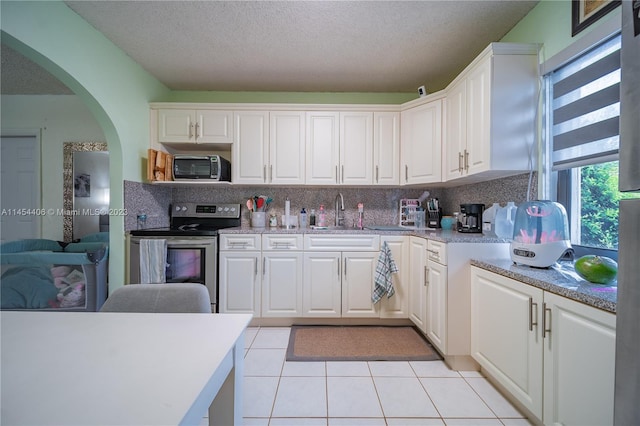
[437,251]
[239,242]
[282,242]
[342,242]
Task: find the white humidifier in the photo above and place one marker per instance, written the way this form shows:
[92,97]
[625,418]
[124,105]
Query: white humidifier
[540,234]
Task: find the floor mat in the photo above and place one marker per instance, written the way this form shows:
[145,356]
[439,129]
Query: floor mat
[358,343]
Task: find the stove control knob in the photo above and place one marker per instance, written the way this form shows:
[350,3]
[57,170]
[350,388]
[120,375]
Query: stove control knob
[184,208]
[177,208]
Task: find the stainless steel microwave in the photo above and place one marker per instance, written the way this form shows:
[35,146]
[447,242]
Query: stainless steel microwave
[205,167]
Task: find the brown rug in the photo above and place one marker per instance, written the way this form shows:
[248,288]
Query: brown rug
[358,343]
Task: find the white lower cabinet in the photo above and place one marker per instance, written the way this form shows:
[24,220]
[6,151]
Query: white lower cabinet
[552,354]
[282,284]
[418,282]
[358,273]
[397,306]
[322,284]
[436,305]
[240,282]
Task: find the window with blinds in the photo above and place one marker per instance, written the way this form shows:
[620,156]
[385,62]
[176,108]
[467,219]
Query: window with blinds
[585,104]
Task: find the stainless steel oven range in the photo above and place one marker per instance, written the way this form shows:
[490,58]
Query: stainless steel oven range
[192,244]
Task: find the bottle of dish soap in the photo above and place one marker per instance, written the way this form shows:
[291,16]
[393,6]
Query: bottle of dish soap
[303,218]
[312,217]
[322,216]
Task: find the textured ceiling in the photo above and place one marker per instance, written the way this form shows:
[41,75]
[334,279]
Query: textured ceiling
[320,46]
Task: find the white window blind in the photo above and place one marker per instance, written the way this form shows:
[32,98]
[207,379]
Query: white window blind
[586,108]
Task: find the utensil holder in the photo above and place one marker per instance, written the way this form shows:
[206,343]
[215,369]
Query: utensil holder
[258,219]
[435,216]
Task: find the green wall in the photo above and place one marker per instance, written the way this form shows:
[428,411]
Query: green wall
[549,23]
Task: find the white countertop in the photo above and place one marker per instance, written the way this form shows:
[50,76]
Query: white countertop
[114,368]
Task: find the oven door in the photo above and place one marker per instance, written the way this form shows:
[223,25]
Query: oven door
[189,260]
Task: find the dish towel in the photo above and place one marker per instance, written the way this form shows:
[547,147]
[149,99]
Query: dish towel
[153,261]
[384,269]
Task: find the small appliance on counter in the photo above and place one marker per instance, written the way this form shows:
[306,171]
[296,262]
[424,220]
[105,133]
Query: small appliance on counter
[470,218]
[541,234]
[434,213]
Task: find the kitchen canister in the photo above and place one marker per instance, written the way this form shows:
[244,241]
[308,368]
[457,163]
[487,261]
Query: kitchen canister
[258,219]
[447,223]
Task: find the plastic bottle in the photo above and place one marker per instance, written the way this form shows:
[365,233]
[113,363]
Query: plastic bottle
[489,220]
[505,219]
[303,218]
[360,216]
[322,216]
[312,218]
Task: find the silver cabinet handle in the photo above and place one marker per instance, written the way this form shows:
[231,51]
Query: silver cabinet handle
[255,267]
[532,304]
[264,268]
[264,173]
[281,245]
[435,254]
[238,244]
[406,173]
[342,173]
[190,130]
[377,179]
[460,157]
[345,267]
[271,173]
[426,276]
[339,267]
[198,135]
[337,175]
[546,327]
[466,160]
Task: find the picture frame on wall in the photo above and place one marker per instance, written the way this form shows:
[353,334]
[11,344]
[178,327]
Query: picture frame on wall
[586,12]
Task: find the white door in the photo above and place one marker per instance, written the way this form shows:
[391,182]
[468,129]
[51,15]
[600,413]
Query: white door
[358,273]
[579,363]
[20,196]
[250,149]
[240,282]
[506,337]
[456,113]
[386,148]
[437,305]
[176,125]
[214,126]
[321,285]
[287,148]
[422,144]
[322,148]
[478,150]
[356,148]
[282,284]
[417,281]
[398,305]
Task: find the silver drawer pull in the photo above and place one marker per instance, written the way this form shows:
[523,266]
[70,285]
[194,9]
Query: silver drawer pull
[281,245]
[238,244]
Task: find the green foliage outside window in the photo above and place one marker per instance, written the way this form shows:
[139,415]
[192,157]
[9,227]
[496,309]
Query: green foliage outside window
[600,200]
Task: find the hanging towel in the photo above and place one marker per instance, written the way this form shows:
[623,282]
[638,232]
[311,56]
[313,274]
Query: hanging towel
[383,280]
[153,261]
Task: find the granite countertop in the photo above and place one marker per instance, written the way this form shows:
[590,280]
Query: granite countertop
[446,236]
[560,279]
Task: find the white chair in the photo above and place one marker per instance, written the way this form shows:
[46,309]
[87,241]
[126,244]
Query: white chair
[168,298]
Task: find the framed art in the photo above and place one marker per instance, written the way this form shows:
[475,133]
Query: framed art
[586,12]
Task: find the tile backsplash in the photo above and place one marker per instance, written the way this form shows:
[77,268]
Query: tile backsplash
[381,205]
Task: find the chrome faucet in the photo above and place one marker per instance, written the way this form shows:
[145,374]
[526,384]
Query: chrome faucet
[339,206]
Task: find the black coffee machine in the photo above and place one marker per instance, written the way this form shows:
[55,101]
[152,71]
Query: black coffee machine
[470,218]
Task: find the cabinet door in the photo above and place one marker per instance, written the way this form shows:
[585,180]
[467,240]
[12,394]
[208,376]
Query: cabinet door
[356,148]
[579,363]
[321,292]
[398,305]
[478,146]
[358,272]
[176,125]
[250,149]
[214,126]
[436,315]
[456,135]
[322,148]
[422,144]
[417,281]
[239,282]
[282,284]
[506,337]
[386,148]
[287,148]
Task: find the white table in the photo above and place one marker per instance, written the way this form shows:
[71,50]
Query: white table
[88,368]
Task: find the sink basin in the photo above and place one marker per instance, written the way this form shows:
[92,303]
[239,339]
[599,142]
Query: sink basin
[386,228]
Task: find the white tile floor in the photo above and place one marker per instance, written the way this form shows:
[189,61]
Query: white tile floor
[394,393]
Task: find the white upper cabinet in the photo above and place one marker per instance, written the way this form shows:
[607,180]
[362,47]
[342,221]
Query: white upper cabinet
[386,148]
[323,148]
[195,126]
[250,151]
[287,148]
[490,115]
[356,148]
[421,133]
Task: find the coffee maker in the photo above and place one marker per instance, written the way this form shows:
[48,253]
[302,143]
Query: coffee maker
[470,218]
